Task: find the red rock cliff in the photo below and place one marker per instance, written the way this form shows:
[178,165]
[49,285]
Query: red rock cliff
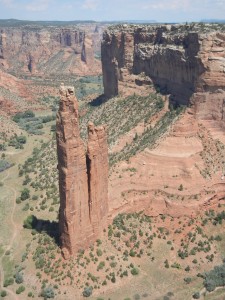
[185,61]
[47,50]
[83,179]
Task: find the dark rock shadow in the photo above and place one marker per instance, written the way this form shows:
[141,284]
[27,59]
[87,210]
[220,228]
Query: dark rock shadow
[98,101]
[51,228]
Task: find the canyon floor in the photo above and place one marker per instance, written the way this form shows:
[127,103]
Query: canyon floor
[166,195]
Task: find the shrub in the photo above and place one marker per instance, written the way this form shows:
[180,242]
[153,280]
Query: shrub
[25,194]
[99,252]
[134,271]
[3,294]
[180,188]
[215,278]
[20,289]
[21,139]
[187,280]
[196,295]
[8,281]
[48,293]
[19,278]
[87,291]
[30,222]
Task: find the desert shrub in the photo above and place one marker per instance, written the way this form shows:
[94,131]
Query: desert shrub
[134,271]
[20,289]
[3,294]
[8,281]
[99,252]
[48,293]
[214,278]
[4,165]
[19,278]
[30,222]
[196,295]
[87,292]
[25,194]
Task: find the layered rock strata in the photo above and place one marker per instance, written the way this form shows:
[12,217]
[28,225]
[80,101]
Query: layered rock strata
[47,50]
[83,178]
[185,61]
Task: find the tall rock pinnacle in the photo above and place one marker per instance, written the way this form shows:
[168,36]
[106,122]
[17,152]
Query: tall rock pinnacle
[83,178]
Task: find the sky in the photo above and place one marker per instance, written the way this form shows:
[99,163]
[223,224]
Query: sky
[107,10]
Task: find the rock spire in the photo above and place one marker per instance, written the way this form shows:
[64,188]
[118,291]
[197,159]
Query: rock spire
[83,177]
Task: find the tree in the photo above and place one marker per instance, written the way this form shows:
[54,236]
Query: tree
[48,293]
[20,289]
[3,294]
[21,139]
[30,222]
[25,194]
[19,278]
[87,291]
[196,295]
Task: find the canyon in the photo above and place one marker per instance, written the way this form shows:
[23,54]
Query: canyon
[125,191]
[49,50]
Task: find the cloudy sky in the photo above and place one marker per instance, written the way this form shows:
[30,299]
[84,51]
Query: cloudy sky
[100,10]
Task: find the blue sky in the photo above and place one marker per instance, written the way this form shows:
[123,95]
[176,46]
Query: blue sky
[160,10]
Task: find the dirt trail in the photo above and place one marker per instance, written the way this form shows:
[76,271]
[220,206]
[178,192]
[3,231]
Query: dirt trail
[14,296]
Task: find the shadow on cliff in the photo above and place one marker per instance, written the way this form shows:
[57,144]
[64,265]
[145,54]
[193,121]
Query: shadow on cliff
[51,228]
[99,100]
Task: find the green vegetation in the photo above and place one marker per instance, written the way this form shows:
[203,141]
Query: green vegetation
[215,278]
[30,222]
[4,164]
[3,294]
[30,123]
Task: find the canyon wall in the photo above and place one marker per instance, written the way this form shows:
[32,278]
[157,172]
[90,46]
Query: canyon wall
[83,178]
[48,50]
[185,61]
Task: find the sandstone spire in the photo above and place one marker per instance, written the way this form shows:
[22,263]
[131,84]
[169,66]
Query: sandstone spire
[97,167]
[83,179]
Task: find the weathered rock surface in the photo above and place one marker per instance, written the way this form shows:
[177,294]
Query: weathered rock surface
[47,50]
[187,62]
[97,169]
[83,178]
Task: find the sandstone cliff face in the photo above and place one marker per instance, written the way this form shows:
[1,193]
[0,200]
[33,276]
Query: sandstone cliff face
[47,50]
[83,178]
[182,61]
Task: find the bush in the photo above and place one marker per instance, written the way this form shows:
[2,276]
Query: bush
[87,292]
[25,194]
[215,278]
[3,294]
[196,295]
[19,278]
[8,281]
[4,165]
[22,139]
[20,289]
[30,222]
[134,271]
[99,252]
[48,293]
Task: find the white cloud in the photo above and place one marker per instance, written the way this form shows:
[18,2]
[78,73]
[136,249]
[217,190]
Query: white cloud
[8,3]
[38,5]
[168,5]
[90,4]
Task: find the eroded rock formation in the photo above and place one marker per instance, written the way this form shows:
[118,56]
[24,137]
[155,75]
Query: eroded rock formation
[47,50]
[83,178]
[185,61]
